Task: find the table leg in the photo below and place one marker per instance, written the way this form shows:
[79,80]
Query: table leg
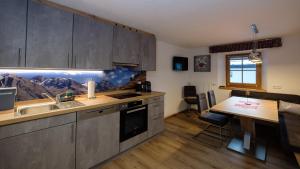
[248,127]
[248,146]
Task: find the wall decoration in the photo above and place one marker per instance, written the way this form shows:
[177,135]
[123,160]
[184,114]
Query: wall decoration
[31,83]
[202,63]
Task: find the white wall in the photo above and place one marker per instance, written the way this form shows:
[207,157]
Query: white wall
[281,69]
[166,80]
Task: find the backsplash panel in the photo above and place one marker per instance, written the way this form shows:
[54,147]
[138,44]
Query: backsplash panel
[31,83]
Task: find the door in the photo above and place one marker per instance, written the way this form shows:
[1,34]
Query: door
[92,43]
[126,46]
[97,136]
[148,52]
[49,37]
[133,121]
[12,32]
[44,149]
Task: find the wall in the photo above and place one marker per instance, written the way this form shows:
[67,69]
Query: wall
[166,80]
[281,68]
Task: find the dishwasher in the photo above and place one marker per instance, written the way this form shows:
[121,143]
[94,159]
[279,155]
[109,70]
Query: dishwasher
[97,136]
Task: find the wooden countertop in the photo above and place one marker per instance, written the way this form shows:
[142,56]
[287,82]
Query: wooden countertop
[8,116]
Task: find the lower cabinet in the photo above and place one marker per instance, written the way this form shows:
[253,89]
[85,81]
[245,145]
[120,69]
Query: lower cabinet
[43,149]
[97,136]
[155,116]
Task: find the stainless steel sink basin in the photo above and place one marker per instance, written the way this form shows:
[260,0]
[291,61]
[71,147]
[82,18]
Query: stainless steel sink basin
[37,108]
[46,107]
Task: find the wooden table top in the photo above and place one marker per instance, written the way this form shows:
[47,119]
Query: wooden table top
[259,109]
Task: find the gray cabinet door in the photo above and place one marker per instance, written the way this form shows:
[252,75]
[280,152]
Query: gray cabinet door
[126,46]
[148,52]
[155,118]
[49,37]
[44,149]
[12,32]
[97,137]
[92,44]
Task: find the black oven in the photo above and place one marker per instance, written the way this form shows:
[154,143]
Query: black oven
[133,119]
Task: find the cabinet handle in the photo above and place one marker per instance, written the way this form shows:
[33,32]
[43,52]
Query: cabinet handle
[73,133]
[68,60]
[75,62]
[19,57]
[100,111]
[157,105]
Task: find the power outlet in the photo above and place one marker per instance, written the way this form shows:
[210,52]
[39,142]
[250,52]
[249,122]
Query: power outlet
[277,87]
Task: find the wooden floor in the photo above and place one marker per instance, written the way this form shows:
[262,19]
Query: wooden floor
[176,148]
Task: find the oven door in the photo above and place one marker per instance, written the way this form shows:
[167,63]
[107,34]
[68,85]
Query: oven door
[133,121]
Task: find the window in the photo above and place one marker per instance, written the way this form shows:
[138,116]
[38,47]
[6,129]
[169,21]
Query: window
[241,72]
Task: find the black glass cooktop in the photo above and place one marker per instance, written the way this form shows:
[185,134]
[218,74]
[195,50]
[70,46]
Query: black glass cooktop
[124,95]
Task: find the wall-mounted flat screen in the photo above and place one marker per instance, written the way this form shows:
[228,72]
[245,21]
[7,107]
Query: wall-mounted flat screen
[180,63]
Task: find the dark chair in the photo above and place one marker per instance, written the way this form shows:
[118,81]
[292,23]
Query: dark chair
[191,97]
[211,98]
[213,119]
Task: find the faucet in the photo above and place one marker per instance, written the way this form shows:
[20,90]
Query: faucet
[54,100]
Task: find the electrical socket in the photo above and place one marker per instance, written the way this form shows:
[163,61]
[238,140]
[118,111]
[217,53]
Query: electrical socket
[277,87]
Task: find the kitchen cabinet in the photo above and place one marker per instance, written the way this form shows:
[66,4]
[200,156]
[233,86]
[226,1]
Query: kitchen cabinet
[45,148]
[92,43]
[12,32]
[148,52]
[49,37]
[126,45]
[97,136]
[155,116]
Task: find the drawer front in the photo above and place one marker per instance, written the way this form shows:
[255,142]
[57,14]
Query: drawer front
[34,125]
[87,114]
[156,126]
[155,99]
[156,110]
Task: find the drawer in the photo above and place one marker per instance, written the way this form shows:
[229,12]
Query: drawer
[155,99]
[156,110]
[34,125]
[156,126]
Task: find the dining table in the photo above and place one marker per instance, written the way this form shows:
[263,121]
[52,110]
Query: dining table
[249,111]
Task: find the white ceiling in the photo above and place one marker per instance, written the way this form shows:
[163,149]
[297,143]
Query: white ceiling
[196,23]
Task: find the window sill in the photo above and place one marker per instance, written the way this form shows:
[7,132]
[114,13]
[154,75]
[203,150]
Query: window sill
[245,89]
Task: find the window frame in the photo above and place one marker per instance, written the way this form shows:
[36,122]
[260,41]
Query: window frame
[258,84]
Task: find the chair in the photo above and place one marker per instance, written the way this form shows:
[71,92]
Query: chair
[211,98]
[191,97]
[213,119]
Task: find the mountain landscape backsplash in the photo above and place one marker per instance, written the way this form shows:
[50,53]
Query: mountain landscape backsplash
[31,84]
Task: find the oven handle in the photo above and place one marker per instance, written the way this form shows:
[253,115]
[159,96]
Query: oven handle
[135,110]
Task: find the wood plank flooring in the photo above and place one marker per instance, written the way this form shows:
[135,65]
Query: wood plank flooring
[175,148]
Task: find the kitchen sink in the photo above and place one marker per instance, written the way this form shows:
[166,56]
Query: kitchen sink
[46,107]
[36,108]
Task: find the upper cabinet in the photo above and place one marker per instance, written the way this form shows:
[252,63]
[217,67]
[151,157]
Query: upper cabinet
[148,52]
[126,45]
[37,35]
[49,37]
[92,44]
[12,32]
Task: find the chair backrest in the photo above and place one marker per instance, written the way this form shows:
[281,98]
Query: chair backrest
[189,91]
[203,102]
[211,98]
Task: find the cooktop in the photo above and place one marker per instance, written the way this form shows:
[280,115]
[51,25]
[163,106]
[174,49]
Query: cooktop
[124,95]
